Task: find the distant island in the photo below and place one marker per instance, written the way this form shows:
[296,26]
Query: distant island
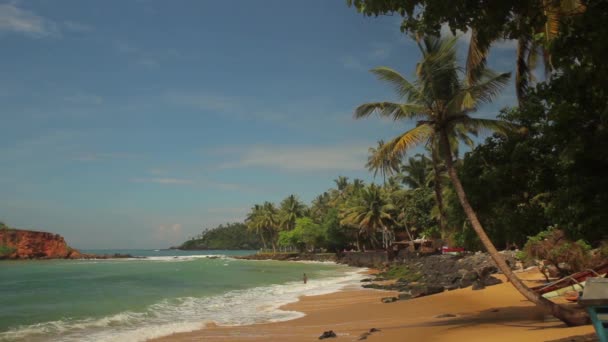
[231,236]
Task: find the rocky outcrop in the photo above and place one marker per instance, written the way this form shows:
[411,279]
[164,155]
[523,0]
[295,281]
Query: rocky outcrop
[27,244]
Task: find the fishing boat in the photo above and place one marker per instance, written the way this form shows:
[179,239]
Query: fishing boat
[574,282]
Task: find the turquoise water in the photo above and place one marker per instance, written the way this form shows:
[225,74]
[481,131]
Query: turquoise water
[165,292]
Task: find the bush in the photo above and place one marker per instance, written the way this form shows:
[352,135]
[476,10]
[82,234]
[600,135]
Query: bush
[553,247]
[6,250]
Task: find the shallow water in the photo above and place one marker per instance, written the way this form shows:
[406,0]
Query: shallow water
[165,292]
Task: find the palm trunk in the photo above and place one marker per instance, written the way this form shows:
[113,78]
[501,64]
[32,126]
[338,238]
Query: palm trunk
[263,240]
[443,220]
[568,316]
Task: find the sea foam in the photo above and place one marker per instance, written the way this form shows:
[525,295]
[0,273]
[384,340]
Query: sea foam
[239,307]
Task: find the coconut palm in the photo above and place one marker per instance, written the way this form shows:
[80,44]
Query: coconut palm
[441,100]
[291,209]
[380,163]
[415,171]
[370,213]
[269,220]
[254,223]
[532,43]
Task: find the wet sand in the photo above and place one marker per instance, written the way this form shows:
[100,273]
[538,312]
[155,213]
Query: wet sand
[497,313]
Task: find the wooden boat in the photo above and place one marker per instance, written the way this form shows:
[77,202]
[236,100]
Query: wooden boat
[573,282]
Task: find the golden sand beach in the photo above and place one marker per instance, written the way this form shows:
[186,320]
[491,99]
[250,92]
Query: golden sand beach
[497,313]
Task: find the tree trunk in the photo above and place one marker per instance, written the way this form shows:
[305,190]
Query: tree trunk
[568,316]
[263,240]
[443,220]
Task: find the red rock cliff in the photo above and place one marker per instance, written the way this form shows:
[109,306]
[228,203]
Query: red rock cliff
[26,244]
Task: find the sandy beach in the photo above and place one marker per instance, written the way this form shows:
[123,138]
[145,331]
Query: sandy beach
[497,313]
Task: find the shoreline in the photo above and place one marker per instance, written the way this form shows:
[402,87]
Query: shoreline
[497,313]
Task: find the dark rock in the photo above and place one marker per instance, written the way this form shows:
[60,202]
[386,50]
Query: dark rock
[445,316]
[366,280]
[468,279]
[373,330]
[389,299]
[327,334]
[451,287]
[485,272]
[404,296]
[478,285]
[426,290]
[490,281]
[364,336]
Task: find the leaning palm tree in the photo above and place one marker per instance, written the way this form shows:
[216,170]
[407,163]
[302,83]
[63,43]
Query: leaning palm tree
[290,210]
[371,214]
[441,100]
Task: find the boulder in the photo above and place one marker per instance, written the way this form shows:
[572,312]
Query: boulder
[327,334]
[426,290]
[490,281]
[478,285]
[389,299]
[404,296]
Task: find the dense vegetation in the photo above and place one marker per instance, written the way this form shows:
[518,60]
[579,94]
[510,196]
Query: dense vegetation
[231,236]
[539,174]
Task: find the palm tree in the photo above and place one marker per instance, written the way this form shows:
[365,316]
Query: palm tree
[378,162]
[341,183]
[358,185]
[441,100]
[370,213]
[291,209]
[320,206]
[415,171]
[254,223]
[270,223]
[532,42]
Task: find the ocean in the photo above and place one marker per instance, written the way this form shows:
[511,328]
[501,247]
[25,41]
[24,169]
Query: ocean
[163,292]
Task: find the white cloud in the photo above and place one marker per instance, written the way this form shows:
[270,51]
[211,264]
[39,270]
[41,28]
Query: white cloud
[159,180]
[14,19]
[302,158]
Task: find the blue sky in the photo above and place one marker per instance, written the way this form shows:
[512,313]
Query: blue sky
[134,124]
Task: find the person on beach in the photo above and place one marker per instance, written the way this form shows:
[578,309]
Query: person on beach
[305,278]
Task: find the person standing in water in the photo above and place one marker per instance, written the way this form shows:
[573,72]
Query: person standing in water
[305,278]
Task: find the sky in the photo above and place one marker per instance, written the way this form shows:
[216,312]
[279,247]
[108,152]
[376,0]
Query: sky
[138,123]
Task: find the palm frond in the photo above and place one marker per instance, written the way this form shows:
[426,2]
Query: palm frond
[496,126]
[484,91]
[396,111]
[476,58]
[411,138]
[402,86]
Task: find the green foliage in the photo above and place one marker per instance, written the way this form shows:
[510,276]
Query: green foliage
[306,235]
[6,250]
[401,272]
[229,236]
[553,246]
